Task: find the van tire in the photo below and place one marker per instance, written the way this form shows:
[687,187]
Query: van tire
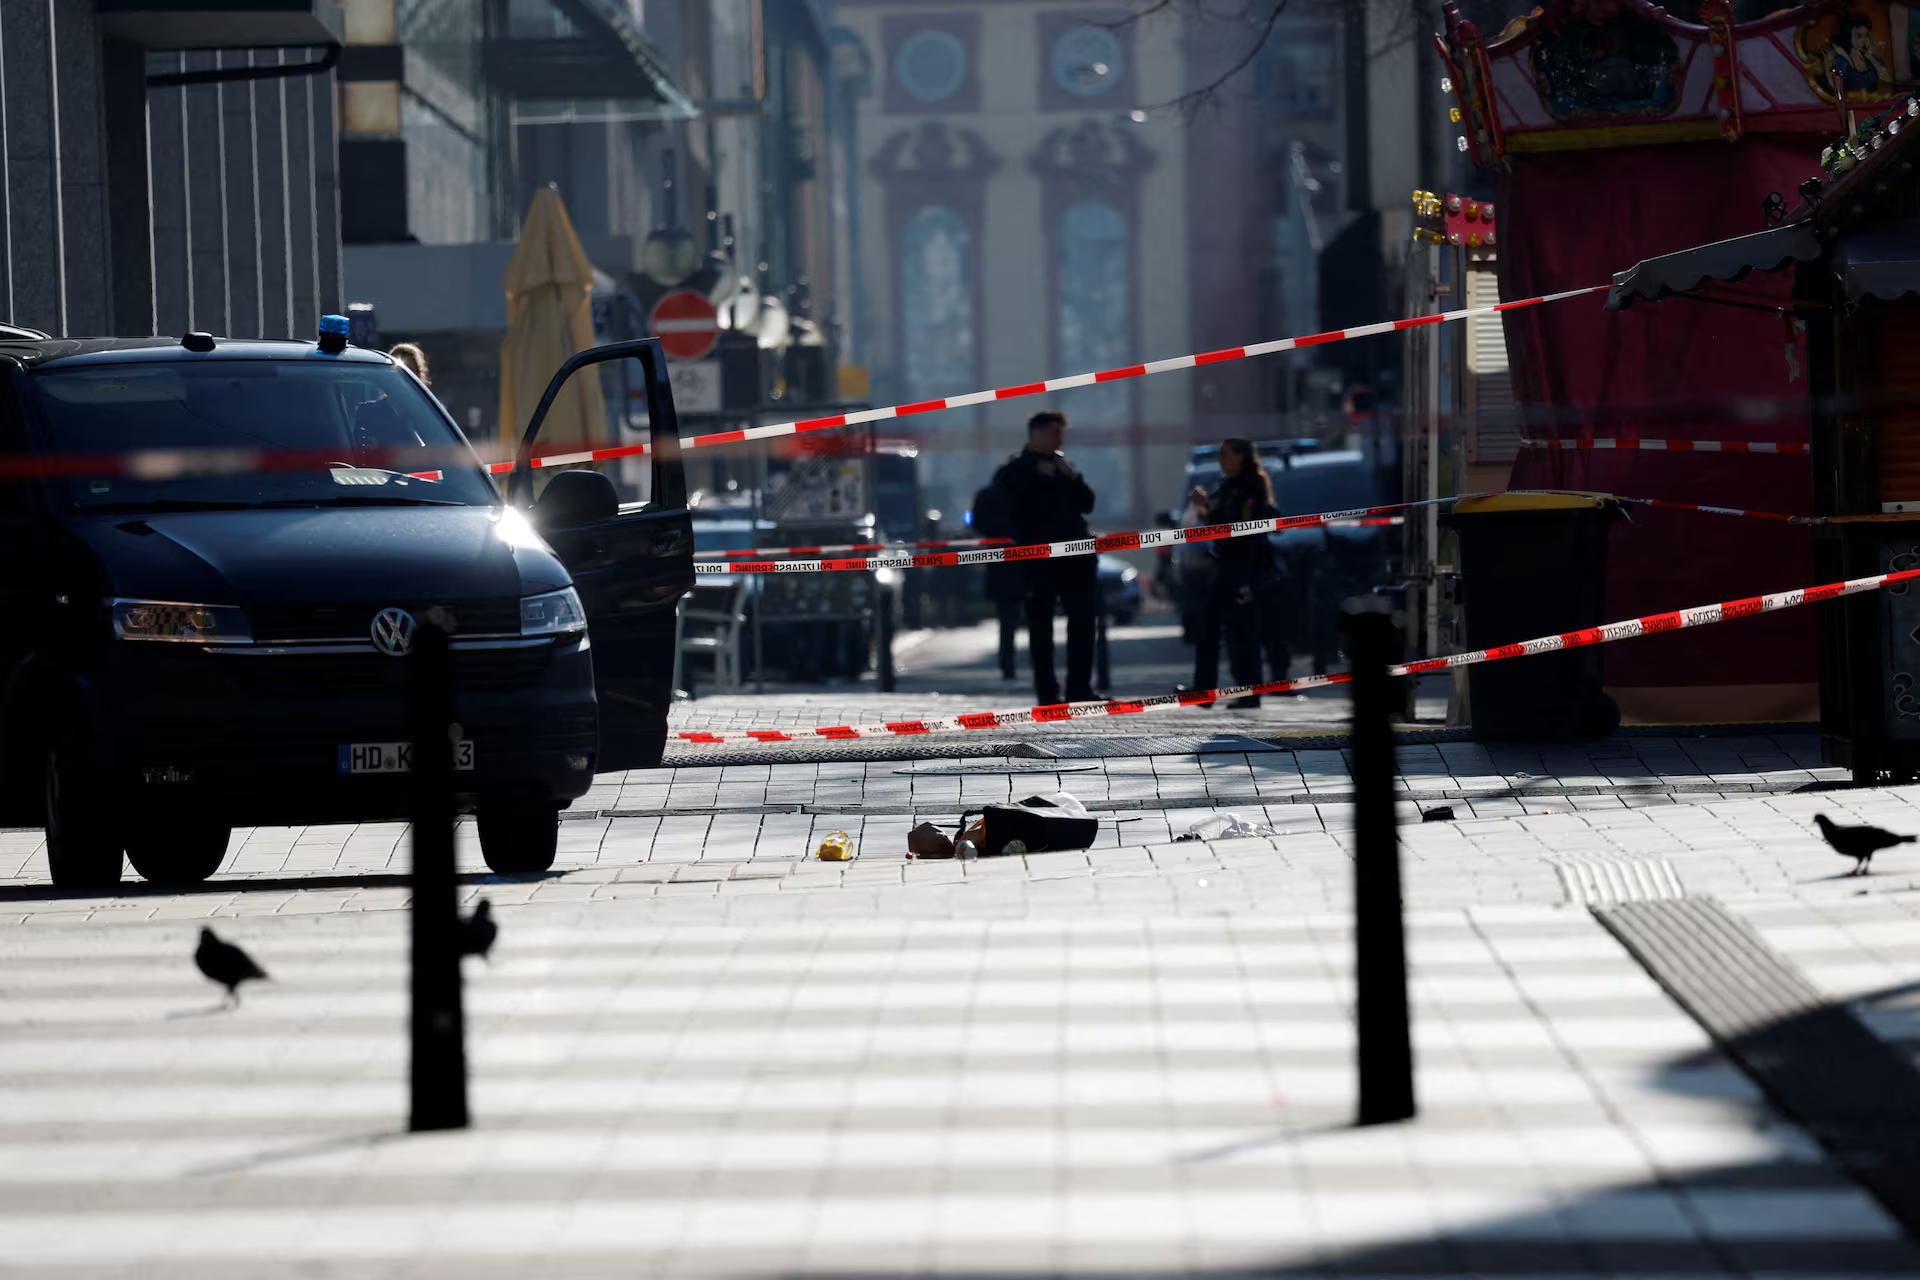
[178,855]
[519,835]
[83,837]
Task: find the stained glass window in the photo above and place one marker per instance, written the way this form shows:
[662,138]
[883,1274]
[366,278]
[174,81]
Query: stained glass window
[1095,323]
[936,292]
[1086,61]
[1094,317]
[1095,320]
[931,65]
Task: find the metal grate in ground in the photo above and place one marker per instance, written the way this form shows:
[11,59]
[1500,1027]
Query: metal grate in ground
[1084,741]
[1004,768]
[1156,745]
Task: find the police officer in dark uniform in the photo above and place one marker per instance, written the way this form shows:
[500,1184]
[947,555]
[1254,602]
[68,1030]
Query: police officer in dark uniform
[1049,502]
[1244,572]
[1006,583]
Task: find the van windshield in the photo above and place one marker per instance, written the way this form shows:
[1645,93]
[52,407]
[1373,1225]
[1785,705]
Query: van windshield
[329,434]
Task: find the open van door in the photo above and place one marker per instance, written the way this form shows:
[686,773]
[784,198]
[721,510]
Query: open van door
[631,560]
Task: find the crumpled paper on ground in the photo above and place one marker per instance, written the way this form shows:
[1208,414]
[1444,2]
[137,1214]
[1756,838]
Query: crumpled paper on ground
[1225,826]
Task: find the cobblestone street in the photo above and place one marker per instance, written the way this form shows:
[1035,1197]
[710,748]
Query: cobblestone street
[1268,639]
[698,1051]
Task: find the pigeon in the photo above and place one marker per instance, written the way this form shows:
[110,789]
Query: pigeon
[1444,813]
[478,931]
[1858,843]
[225,964]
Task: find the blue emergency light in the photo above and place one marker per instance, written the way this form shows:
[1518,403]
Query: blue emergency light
[333,334]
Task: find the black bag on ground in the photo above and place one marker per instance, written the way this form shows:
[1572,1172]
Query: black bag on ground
[1041,830]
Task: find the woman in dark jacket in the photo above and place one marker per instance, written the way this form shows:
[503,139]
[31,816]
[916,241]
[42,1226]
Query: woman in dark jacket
[1243,570]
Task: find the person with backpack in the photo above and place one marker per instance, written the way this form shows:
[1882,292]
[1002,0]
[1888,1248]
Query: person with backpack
[1243,571]
[1049,501]
[993,518]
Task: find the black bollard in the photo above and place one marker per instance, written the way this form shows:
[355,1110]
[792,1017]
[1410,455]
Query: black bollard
[439,1082]
[883,642]
[1373,642]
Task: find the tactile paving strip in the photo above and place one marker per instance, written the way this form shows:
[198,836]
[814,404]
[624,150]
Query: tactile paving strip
[1855,1093]
[1602,881]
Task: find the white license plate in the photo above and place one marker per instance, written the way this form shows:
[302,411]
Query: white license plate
[393,757]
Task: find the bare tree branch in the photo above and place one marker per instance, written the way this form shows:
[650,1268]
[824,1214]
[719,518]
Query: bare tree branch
[1121,24]
[1409,23]
[1194,99]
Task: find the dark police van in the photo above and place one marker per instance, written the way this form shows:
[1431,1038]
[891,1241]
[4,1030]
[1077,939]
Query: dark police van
[186,649]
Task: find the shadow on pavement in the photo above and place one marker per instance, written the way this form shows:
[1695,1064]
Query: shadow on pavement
[261,884]
[282,1155]
[1726,1219]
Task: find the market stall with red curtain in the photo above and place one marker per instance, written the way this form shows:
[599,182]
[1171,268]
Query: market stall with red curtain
[1617,133]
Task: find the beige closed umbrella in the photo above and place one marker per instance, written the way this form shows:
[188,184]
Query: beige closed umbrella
[549,285]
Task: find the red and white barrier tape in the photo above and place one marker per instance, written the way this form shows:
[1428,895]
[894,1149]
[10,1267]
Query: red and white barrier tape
[1718,511]
[1651,624]
[845,547]
[169,463]
[1069,382]
[961,543]
[1671,446]
[1148,539]
[1139,540]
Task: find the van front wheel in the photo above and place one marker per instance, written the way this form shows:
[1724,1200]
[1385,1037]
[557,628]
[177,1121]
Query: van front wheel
[178,855]
[519,835]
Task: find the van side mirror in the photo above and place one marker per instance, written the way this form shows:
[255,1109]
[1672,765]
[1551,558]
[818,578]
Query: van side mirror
[575,498]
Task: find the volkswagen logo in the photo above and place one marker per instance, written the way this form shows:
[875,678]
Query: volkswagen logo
[393,632]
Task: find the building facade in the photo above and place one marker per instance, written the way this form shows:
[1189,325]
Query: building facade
[697,130]
[1055,186]
[1020,217]
[166,169]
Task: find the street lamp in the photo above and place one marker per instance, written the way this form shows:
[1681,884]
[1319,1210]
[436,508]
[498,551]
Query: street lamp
[670,256]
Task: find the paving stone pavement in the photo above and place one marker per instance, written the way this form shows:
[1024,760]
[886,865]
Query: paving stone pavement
[760,816]
[1088,1094]
[697,1052]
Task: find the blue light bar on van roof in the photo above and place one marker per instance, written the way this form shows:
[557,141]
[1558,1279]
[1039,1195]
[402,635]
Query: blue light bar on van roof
[333,334]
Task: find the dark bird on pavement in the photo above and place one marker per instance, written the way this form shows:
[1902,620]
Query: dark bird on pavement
[478,931]
[1442,814]
[1858,843]
[226,964]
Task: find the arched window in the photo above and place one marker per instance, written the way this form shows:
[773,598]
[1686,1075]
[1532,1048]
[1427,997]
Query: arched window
[1095,296]
[936,298]
[1094,326]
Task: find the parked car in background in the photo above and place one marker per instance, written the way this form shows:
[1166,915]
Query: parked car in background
[1323,565]
[815,626]
[1119,590]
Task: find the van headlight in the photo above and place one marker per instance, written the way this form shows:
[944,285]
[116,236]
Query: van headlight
[181,623]
[553,614]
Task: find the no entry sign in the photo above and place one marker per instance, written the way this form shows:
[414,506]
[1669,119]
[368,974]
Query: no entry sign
[686,324]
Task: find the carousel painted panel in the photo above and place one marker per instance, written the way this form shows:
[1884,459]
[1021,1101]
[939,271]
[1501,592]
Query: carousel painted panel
[1585,73]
